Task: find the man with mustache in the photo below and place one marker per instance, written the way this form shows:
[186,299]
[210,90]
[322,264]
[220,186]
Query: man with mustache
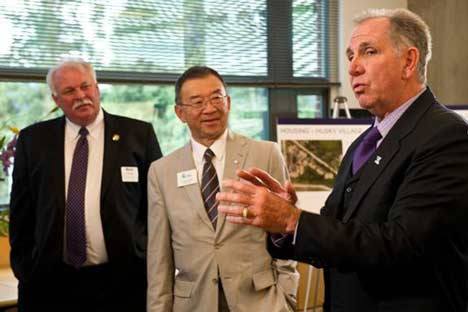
[218,266]
[78,209]
[392,235]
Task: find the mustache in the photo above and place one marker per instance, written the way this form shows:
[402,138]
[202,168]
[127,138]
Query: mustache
[79,103]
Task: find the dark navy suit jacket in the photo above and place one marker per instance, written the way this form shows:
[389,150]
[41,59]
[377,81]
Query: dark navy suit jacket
[400,241]
[37,207]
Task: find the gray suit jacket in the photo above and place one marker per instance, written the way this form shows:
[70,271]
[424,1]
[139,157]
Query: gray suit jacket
[181,237]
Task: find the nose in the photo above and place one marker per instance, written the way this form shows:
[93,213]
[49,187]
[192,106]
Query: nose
[209,108]
[79,93]
[355,67]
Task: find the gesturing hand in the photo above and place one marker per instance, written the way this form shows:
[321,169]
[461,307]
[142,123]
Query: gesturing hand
[260,177]
[253,203]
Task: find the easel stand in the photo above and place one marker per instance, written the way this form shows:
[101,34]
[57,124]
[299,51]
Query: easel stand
[337,103]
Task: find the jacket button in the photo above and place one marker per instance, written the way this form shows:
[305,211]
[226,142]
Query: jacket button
[349,189]
[215,281]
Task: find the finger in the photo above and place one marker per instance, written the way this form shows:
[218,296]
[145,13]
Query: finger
[239,186]
[234,198]
[247,176]
[231,210]
[239,220]
[291,191]
[271,183]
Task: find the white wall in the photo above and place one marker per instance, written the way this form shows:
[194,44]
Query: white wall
[348,9]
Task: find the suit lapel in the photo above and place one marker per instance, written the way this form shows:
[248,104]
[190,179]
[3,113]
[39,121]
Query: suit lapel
[57,155]
[373,170]
[186,162]
[57,171]
[333,203]
[111,152]
[236,152]
[388,149]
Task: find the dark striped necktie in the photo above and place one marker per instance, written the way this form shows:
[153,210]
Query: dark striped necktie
[75,215]
[209,187]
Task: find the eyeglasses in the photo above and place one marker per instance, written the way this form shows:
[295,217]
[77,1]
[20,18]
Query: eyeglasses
[200,102]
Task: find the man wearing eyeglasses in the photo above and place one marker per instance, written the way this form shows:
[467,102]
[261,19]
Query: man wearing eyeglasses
[196,260]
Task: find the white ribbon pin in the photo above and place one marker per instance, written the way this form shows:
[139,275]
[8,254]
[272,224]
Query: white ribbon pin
[377,160]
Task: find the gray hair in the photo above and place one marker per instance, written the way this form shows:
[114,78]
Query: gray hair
[406,29]
[74,62]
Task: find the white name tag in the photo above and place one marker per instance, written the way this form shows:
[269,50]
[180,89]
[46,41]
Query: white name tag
[186,177]
[129,174]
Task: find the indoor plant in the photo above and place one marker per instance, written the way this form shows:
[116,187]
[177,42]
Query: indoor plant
[7,153]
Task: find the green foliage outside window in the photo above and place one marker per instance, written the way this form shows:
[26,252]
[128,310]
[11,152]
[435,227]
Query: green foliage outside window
[155,104]
[21,104]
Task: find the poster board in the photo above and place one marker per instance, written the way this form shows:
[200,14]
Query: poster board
[313,150]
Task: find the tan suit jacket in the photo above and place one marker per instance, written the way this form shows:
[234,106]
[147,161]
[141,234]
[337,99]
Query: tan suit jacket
[181,237]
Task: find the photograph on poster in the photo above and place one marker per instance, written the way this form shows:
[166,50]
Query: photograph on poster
[313,150]
[312,164]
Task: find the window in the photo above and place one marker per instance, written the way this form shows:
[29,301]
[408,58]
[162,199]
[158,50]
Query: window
[155,104]
[309,106]
[249,111]
[155,36]
[309,43]
[22,104]
[268,51]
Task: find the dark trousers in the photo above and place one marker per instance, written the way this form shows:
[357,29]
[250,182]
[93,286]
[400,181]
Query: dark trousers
[89,289]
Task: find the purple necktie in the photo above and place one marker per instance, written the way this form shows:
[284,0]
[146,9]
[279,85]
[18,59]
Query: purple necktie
[210,186]
[366,148]
[75,215]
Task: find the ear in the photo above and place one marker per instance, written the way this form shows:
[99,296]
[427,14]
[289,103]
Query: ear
[179,110]
[55,98]
[411,60]
[228,103]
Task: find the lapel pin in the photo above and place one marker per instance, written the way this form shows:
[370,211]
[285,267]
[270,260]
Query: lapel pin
[115,137]
[377,160]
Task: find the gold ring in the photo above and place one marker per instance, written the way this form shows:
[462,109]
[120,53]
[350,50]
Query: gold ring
[245,212]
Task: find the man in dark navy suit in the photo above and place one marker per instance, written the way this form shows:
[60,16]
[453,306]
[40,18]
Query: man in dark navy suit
[393,234]
[78,211]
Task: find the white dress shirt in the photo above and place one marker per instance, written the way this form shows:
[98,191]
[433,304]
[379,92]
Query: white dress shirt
[96,252]
[386,124]
[219,149]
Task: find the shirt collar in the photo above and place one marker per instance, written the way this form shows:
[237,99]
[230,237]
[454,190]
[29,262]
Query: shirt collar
[218,147]
[386,124]
[73,129]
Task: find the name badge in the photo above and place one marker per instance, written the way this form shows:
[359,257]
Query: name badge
[186,177]
[129,174]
